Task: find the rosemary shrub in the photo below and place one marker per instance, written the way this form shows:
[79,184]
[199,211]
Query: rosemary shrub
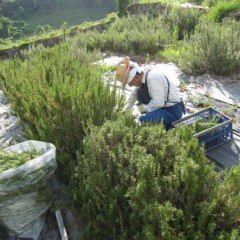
[146,183]
[57,95]
[209,51]
[131,38]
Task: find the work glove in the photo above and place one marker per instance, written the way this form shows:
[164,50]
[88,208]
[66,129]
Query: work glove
[137,122]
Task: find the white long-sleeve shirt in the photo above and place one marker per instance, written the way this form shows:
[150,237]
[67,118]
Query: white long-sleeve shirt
[158,90]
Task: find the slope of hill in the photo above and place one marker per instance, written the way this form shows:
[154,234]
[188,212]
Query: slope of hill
[20,18]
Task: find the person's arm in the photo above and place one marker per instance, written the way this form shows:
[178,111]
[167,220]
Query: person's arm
[131,100]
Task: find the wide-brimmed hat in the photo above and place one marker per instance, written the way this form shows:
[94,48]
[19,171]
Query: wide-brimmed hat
[126,71]
[122,72]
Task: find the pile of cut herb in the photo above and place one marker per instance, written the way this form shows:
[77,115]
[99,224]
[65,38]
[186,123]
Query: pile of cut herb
[200,125]
[11,159]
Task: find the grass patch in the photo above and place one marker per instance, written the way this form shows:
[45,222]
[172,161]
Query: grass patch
[222,9]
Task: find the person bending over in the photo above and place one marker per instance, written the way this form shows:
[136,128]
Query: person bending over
[157,96]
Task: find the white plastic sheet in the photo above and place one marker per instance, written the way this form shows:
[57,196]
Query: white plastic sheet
[25,194]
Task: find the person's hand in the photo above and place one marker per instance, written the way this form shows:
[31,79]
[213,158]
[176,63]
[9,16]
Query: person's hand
[135,111]
[137,122]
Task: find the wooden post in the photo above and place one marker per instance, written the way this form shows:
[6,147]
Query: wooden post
[61,226]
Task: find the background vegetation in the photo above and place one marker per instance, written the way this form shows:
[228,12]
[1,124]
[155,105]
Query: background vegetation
[22,18]
[187,36]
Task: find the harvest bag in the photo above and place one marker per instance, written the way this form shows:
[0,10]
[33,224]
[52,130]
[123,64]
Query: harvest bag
[25,194]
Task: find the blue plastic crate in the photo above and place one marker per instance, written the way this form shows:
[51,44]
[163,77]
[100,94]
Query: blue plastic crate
[214,136]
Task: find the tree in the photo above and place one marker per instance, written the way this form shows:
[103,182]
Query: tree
[122,6]
[64,28]
[5,25]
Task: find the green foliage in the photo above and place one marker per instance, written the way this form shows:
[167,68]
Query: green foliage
[11,159]
[74,16]
[229,197]
[209,3]
[58,93]
[24,8]
[52,13]
[182,19]
[168,1]
[200,125]
[129,182]
[183,86]
[43,29]
[132,38]
[209,51]
[171,53]
[222,9]
[122,6]
[146,183]
[175,35]
[5,25]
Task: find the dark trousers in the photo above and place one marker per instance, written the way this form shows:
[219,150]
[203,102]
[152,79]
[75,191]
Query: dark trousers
[165,114]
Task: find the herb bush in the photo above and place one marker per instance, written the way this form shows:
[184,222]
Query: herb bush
[58,93]
[208,51]
[130,36]
[182,20]
[137,34]
[146,183]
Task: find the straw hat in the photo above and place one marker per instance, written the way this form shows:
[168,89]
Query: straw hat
[122,72]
